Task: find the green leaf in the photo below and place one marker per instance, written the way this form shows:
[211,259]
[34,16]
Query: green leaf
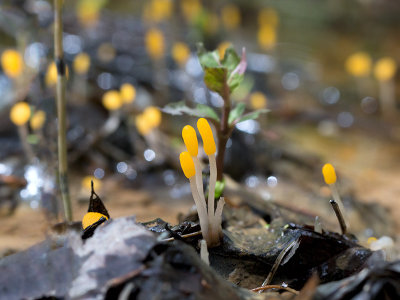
[251,116]
[208,59]
[201,110]
[236,112]
[231,59]
[215,79]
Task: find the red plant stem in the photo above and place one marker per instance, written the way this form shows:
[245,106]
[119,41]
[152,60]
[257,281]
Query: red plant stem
[224,131]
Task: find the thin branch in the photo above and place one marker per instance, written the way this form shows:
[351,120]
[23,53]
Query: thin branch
[61,109]
[275,286]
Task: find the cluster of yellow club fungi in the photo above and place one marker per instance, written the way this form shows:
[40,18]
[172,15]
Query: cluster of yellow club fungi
[210,219]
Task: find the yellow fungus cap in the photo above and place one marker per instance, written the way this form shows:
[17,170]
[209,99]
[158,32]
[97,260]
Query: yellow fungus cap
[51,74]
[154,41]
[268,16]
[190,9]
[87,183]
[88,12]
[258,100]
[106,52]
[187,164]
[358,64]
[38,119]
[328,171]
[20,113]
[90,218]
[12,63]
[112,100]
[230,16]
[157,10]
[385,68]
[190,139]
[180,53]
[207,136]
[266,36]
[153,116]
[128,92]
[81,63]
[222,48]
[371,240]
[141,124]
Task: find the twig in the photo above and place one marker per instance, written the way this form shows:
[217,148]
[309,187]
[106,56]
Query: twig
[183,236]
[61,109]
[277,263]
[339,216]
[275,286]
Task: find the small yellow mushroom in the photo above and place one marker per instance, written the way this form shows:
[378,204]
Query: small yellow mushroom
[81,63]
[207,136]
[112,100]
[12,63]
[359,64]
[128,93]
[190,139]
[154,41]
[187,164]
[268,16]
[38,119]
[328,171]
[385,68]
[90,218]
[20,113]
[266,36]
[153,116]
[190,9]
[230,16]
[258,100]
[180,53]
[142,125]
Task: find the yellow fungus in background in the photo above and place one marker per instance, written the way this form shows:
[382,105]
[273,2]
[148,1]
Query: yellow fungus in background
[328,171]
[20,113]
[88,12]
[38,119]
[154,41]
[12,63]
[230,16]
[106,52]
[90,218]
[153,116]
[81,63]
[385,69]
[190,9]
[222,48]
[51,74]
[266,37]
[258,100]
[269,17]
[190,139]
[180,53]
[371,240]
[207,136]
[187,164]
[87,183]
[128,93]
[112,100]
[157,10]
[358,64]
[142,125]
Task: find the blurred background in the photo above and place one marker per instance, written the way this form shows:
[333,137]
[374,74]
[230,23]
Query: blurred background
[327,70]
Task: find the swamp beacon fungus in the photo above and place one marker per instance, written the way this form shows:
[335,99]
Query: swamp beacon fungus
[96,215]
[210,221]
